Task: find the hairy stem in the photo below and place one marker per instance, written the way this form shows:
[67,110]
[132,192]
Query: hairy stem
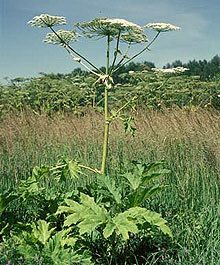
[106,128]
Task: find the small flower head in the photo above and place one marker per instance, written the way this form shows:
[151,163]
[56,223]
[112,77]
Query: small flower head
[102,27]
[170,71]
[61,37]
[134,37]
[161,27]
[45,20]
[122,24]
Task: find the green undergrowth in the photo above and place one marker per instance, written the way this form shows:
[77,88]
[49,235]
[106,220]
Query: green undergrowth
[189,201]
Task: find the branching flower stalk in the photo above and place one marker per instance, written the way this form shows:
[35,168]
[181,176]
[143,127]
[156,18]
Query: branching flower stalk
[125,55]
[112,29]
[78,60]
[116,50]
[120,65]
[77,53]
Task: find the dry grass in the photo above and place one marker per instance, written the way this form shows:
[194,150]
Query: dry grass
[188,141]
[153,127]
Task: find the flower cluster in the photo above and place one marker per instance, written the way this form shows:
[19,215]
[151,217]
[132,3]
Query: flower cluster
[45,20]
[121,24]
[170,71]
[61,37]
[161,27]
[134,37]
[102,27]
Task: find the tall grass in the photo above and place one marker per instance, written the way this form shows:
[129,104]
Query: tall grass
[188,141]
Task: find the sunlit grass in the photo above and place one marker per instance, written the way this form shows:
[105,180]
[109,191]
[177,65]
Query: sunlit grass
[189,142]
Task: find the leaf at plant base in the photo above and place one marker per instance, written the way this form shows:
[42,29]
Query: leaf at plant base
[124,223]
[64,238]
[155,219]
[87,214]
[143,193]
[109,229]
[77,213]
[110,185]
[153,175]
[89,225]
[140,215]
[133,180]
[42,231]
[81,257]
[29,187]
[123,226]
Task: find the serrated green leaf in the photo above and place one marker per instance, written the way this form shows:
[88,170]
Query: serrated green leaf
[140,215]
[87,215]
[74,169]
[123,226]
[109,229]
[109,184]
[89,224]
[133,180]
[72,219]
[155,219]
[166,230]
[30,186]
[42,231]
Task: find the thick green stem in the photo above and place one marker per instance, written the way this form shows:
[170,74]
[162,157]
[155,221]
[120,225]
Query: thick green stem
[106,128]
[105,147]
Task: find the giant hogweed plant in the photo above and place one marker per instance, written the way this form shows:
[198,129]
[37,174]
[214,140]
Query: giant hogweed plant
[107,219]
[121,34]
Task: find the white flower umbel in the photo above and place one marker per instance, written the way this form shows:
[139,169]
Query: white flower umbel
[161,27]
[122,24]
[102,27]
[61,37]
[45,20]
[170,71]
[134,37]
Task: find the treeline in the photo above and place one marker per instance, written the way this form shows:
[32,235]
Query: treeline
[203,69]
[206,70]
[78,90]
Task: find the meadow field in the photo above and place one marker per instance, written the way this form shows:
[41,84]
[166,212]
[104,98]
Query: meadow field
[118,161]
[188,142]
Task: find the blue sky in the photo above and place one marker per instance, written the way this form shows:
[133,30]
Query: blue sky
[22,52]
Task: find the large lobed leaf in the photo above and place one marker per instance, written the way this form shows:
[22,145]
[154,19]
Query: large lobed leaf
[42,232]
[88,215]
[128,221]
